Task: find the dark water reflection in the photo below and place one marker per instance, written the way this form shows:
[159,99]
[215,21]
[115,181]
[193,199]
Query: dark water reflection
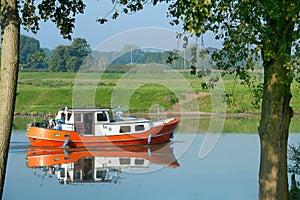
[230,171]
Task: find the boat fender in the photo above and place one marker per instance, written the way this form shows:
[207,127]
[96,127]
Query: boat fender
[149,138]
[66,143]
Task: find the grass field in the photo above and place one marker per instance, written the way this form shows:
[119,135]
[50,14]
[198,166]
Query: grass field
[46,92]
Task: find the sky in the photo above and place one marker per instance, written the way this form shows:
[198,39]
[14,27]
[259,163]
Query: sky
[87,27]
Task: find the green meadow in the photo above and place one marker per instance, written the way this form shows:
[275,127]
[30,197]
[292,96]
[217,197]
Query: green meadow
[45,92]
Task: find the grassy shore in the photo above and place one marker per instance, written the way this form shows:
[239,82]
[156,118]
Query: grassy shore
[44,93]
[231,125]
[40,92]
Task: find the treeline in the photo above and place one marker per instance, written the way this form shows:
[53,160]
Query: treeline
[64,58]
[79,55]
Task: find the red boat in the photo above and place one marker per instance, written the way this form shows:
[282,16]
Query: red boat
[99,127]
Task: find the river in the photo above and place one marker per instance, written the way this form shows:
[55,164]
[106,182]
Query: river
[175,171]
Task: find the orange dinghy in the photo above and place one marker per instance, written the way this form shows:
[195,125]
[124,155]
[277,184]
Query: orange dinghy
[99,127]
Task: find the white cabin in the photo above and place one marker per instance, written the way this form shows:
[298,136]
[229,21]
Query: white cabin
[99,122]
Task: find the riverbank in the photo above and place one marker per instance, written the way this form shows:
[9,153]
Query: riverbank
[43,94]
[233,123]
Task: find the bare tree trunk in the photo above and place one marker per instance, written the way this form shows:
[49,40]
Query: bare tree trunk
[10,26]
[273,130]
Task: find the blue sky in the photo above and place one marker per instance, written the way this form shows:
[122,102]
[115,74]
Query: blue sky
[95,33]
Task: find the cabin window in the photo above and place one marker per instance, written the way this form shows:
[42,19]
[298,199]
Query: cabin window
[124,161]
[101,174]
[125,129]
[139,127]
[139,161]
[69,116]
[78,117]
[101,117]
[62,116]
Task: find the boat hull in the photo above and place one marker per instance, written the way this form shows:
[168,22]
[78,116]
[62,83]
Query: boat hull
[58,138]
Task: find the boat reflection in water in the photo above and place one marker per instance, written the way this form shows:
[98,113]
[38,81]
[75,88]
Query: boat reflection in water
[98,164]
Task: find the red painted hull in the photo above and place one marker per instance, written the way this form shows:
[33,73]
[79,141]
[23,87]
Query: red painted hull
[57,138]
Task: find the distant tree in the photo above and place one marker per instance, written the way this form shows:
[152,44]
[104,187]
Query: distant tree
[73,63]
[31,55]
[69,58]
[80,48]
[78,52]
[58,61]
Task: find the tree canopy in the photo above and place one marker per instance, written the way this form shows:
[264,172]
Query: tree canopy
[62,13]
[31,54]
[70,57]
[246,27]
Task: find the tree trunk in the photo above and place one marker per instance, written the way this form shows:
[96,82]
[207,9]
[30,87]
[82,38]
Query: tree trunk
[10,26]
[273,131]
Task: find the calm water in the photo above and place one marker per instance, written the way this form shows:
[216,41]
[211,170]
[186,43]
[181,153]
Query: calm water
[230,171]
